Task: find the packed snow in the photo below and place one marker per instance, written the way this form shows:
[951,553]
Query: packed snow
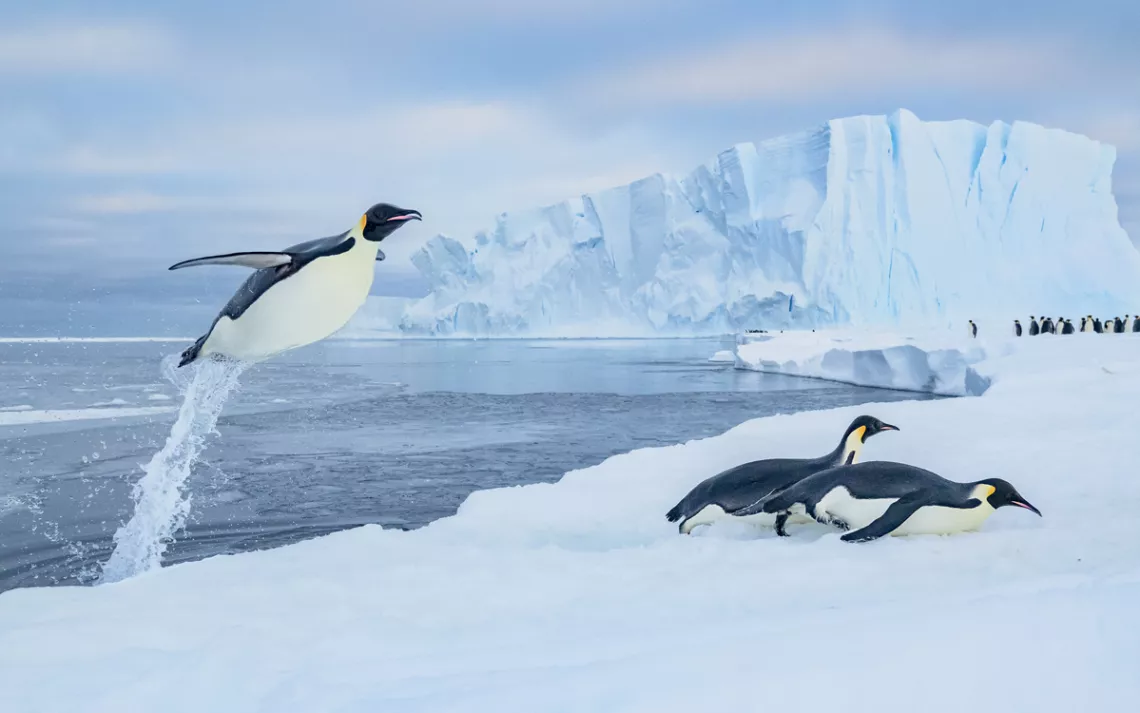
[867,220]
[934,363]
[579,596]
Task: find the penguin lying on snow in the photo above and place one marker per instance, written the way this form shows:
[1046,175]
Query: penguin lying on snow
[880,498]
[299,295]
[726,493]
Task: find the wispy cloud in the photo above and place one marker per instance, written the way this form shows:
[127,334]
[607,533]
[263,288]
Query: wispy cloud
[83,49]
[815,66]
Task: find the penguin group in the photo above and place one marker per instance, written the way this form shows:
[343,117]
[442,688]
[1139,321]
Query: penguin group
[866,500]
[1063,325]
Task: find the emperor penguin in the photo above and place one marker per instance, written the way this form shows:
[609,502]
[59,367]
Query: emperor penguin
[877,498]
[727,493]
[1016,328]
[1084,324]
[1034,330]
[1118,324]
[973,329]
[1047,326]
[1068,328]
[1097,326]
[1136,324]
[299,295]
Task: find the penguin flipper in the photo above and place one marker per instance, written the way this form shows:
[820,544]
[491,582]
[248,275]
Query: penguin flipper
[380,255]
[255,260]
[889,521]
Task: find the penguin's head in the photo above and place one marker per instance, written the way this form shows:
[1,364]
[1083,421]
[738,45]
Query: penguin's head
[1005,494]
[383,219]
[864,427]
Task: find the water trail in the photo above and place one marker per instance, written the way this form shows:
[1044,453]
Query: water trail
[161,505]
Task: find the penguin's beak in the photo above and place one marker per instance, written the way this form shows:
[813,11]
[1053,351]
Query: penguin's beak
[1026,505]
[888,427]
[410,215]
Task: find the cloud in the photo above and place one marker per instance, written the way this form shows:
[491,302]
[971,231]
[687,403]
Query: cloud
[129,203]
[1119,128]
[818,66]
[84,49]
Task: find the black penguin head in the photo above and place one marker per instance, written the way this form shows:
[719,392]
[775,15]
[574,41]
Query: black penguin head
[383,219]
[1005,494]
[869,425]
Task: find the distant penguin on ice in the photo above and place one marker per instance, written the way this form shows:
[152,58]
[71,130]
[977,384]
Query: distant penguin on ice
[1097,326]
[1016,328]
[1084,324]
[1067,328]
[726,493]
[299,295]
[879,498]
[1121,325]
[973,329]
[1047,326]
[1034,330]
[1136,324]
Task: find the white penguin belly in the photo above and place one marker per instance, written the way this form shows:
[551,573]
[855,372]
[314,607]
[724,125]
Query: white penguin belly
[937,520]
[931,520]
[710,514]
[301,309]
[856,513]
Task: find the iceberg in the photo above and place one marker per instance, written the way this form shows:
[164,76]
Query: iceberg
[867,220]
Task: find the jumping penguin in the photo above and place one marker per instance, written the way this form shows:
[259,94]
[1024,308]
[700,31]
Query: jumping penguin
[879,498]
[1034,330]
[1016,328]
[299,295]
[973,329]
[725,494]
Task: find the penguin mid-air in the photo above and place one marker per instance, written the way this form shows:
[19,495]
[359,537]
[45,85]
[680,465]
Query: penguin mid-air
[299,295]
[1034,330]
[879,498]
[1016,328]
[973,329]
[725,494]
[1067,328]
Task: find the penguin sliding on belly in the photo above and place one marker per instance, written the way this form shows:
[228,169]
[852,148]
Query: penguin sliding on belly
[727,493]
[879,498]
[299,295]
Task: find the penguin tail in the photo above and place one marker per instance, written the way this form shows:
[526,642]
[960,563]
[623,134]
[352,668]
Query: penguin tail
[192,351]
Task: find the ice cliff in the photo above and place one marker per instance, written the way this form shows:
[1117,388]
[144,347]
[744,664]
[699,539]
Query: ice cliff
[867,220]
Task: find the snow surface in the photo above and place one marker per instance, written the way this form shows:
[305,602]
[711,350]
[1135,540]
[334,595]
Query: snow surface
[867,220]
[935,362]
[723,356]
[26,416]
[579,596]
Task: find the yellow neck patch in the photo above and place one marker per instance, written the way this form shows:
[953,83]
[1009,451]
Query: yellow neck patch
[363,222]
[853,445]
[983,491]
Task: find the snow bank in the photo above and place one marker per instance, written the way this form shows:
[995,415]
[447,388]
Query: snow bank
[936,363]
[867,220]
[579,596]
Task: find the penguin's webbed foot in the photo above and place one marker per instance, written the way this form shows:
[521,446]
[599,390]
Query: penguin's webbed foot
[781,524]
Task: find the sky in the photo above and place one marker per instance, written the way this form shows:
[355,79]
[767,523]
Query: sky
[135,134]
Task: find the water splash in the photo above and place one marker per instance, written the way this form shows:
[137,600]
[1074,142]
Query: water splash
[161,506]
